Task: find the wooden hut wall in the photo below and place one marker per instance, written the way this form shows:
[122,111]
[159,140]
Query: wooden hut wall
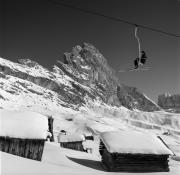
[73,145]
[50,125]
[89,137]
[134,162]
[28,148]
[101,147]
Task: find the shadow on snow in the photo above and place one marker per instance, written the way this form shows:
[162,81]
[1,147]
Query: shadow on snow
[97,165]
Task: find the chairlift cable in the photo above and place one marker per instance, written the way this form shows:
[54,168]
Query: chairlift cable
[60,3]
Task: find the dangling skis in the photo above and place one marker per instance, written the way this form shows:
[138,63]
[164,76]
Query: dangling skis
[138,69]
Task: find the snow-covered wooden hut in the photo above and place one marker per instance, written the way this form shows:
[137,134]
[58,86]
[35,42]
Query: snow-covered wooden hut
[23,133]
[133,152]
[72,141]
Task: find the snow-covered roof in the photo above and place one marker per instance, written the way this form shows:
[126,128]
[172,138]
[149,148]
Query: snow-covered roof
[23,124]
[71,137]
[134,143]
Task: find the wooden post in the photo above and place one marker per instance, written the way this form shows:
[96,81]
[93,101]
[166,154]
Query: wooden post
[50,124]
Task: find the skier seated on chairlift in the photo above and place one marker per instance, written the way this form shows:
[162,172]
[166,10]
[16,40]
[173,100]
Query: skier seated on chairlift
[140,62]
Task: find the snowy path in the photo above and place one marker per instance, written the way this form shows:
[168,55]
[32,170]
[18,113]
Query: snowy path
[54,154]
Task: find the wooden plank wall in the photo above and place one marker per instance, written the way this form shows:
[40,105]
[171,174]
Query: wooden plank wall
[73,145]
[134,162]
[28,148]
[50,125]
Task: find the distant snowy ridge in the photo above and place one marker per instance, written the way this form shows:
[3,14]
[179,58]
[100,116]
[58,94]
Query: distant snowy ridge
[169,102]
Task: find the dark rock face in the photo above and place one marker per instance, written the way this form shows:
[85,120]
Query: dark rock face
[103,77]
[89,75]
[89,61]
[131,98]
[169,102]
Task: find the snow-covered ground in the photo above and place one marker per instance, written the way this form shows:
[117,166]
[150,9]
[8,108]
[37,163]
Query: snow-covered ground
[61,161]
[94,117]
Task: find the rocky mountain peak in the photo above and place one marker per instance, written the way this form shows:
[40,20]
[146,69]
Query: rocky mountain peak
[87,60]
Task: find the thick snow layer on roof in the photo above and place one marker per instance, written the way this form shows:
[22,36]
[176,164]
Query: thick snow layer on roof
[71,137]
[134,143]
[23,124]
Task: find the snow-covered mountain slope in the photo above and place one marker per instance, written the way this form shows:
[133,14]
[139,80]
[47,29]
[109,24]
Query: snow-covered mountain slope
[82,94]
[16,76]
[85,72]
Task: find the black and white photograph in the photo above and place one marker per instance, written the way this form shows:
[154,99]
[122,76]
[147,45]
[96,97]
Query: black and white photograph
[90,87]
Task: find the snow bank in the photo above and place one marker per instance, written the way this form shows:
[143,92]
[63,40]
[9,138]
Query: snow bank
[71,137]
[133,142]
[23,124]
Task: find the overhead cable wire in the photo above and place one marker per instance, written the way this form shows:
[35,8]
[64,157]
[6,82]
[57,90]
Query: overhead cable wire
[60,3]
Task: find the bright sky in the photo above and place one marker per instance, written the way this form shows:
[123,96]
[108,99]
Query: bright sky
[43,31]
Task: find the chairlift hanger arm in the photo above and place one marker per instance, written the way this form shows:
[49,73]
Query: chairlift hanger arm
[138,39]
